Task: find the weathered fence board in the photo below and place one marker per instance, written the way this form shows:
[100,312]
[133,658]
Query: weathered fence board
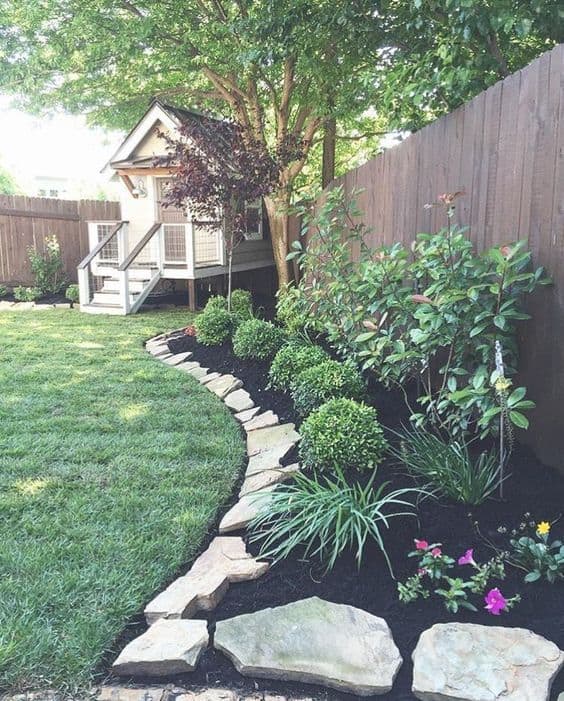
[26,221]
[505,149]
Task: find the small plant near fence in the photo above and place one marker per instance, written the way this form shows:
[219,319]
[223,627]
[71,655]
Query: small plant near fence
[47,267]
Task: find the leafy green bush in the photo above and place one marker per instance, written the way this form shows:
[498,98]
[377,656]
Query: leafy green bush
[327,380]
[258,339]
[448,467]
[342,435]
[72,294]
[27,294]
[242,305]
[538,556]
[465,302]
[3,290]
[216,302]
[327,517]
[47,267]
[214,326]
[291,309]
[291,360]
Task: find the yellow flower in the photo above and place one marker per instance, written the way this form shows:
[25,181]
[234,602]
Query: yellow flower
[543,528]
[502,384]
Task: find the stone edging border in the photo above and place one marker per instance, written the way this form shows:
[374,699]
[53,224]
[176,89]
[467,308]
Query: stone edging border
[174,641]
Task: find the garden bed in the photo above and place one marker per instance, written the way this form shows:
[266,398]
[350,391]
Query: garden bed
[532,488]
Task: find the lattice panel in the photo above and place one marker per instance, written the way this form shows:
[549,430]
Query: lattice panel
[174,243]
[206,244]
[110,252]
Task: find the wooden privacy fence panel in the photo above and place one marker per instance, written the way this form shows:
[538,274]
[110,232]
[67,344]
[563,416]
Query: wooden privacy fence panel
[27,221]
[505,149]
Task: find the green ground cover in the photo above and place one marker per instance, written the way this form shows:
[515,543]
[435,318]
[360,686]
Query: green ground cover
[112,469]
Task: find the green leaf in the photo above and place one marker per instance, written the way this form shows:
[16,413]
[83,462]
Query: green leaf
[520,420]
[533,576]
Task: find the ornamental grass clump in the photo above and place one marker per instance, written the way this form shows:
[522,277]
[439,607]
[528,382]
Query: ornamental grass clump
[447,467]
[291,360]
[327,517]
[256,339]
[327,380]
[342,435]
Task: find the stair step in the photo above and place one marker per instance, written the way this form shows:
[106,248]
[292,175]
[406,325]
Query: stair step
[113,285]
[108,298]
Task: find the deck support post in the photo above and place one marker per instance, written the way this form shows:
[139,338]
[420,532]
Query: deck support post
[192,302]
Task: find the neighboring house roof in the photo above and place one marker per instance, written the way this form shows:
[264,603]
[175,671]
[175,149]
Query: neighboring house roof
[172,118]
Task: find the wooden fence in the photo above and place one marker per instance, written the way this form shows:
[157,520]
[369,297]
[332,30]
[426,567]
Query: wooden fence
[505,149]
[26,221]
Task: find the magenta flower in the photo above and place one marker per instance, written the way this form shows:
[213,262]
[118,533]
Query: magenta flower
[495,602]
[467,558]
[436,552]
[421,544]
[422,571]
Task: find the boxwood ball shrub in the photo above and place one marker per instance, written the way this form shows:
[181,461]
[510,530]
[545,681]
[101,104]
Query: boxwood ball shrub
[257,339]
[342,435]
[327,380]
[242,305]
[214,326]
[291,360]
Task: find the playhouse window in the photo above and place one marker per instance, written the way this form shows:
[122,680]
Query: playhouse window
[254,224]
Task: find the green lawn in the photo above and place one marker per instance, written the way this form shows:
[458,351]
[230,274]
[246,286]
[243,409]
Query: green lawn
[112,469]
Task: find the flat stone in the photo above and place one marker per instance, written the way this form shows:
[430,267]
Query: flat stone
[209,378]
[316,642]
[247,415]
[239,400]
[189,365]
[268,459]
[267,478]
[198,373]
[264,420]
[245,510]
[225,561]
[5,304]
[265,438]
[210,695]
[470,662]
[178,358]
[160,350]
[167,647]
[126,693]
[223,385]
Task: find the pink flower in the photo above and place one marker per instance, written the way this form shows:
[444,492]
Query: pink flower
[421,544]
[495,602]
[467,558]
[422,571]
[436,552]
[421,299]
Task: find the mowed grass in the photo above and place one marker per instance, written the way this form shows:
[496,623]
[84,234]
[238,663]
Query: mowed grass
[112,468]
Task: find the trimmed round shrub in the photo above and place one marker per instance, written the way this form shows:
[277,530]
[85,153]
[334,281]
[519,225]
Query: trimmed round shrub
[342,435]
[216,302]
[291,308]
[241,306]
[214,326]
[291,360]
[258,339]
[327,380]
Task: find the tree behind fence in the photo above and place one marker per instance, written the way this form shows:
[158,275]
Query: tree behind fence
[505,149]
[27,221]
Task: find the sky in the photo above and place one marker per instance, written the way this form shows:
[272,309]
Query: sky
[61,145]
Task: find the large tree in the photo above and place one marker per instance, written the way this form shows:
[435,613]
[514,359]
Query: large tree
[280,68]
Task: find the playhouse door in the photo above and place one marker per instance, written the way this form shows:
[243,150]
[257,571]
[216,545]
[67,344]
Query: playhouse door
[174,225]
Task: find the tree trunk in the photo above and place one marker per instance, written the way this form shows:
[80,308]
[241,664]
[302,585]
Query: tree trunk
[277,207]
[229,277]
[329,139]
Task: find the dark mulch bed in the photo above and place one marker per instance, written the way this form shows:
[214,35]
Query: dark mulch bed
[533,488]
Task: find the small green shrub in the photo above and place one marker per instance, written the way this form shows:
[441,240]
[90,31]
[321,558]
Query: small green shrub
[214,326]
[3,290]
[242,305]
[216,302]
[291,360]
[291,309]
[27,294]
[327,380]
[48,267]
[258,339]
[447,466]
[72,294]
[342,435]
[327,517]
